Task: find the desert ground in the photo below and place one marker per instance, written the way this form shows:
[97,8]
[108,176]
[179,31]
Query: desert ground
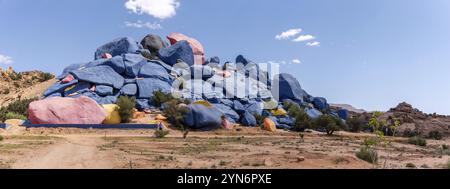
[246,148]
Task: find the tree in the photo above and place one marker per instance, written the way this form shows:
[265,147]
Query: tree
[302,120]
[127,105]
[329,123]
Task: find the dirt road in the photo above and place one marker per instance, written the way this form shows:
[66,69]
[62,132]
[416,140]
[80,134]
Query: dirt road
[72,152]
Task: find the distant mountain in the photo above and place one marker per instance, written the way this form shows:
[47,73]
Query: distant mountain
[349,108]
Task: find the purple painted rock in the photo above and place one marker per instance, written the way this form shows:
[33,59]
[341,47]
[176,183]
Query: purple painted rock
[58,110]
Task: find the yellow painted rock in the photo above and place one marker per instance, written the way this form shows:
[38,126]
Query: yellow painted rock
[112,112]
[160,117]
[279,112]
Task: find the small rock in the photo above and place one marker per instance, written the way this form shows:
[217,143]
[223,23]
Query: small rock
[301,158]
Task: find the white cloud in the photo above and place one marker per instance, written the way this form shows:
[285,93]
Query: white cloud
[6,59]
[161,9]
[288,34]
[313,44]
[304,38]
[140,24]
[296,61]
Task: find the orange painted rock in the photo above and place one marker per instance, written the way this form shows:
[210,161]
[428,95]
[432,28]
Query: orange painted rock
[269,125]
[58,110]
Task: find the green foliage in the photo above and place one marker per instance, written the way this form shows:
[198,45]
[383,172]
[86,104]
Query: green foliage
[302,120]
[159,98]
[175,114]
[161,133]
[21,106]
[448,165]
[45,77]
[259,119]
[126,109]
[356,124]
[17,109]
[15,76]
[1,138]
[367,154]
[418,141]
[14,115]
[329,123]
[435,135]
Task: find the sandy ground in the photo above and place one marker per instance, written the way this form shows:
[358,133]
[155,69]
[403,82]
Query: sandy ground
[248,148]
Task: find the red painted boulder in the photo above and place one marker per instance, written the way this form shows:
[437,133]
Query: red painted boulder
[197,47]
[58,110]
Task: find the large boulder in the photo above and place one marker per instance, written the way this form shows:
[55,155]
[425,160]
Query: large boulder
[321,103]
[118,47]
[203,117]
[197,47]
[289,88]
[180,51]
[57,110]
[100,75]
[248,120]
[153,43]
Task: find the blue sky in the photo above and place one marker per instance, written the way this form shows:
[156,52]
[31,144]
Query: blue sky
[372,54]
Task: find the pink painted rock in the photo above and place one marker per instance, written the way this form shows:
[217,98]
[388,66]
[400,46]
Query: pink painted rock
[68,79]
[227,124]
[106,56]
[197,47]
[58,110]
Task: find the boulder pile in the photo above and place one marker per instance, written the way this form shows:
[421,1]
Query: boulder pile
[125,67]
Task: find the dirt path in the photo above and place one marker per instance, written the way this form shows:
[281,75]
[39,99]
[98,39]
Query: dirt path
[70,153]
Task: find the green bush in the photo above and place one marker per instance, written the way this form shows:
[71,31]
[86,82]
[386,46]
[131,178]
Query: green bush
[448,165]
[1,138]
[20,106]
[302,120]
[175,114]
[356,124]
[161,133]
[14,115]
[45,77]
[159,98]
[126,109]
[435,135]
[329,123]
[367,154]
[418,141]
[15,76]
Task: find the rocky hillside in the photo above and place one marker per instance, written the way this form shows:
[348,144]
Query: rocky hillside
[415,122]
[23,85]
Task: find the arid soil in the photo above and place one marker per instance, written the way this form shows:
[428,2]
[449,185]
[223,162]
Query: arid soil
[248,148]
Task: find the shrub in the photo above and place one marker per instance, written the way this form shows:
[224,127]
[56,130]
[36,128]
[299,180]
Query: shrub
[161,133]
[15,76]
[418,141]
[159,98]
[14,115]
[20,106]
[448,165]
[3,113]
[175,114]
[1,138]
[43,77]
[329,123]
[126,109]
[356,124]
[259,119]
[435,135]
[411,165]
[367,154]
[302,120]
